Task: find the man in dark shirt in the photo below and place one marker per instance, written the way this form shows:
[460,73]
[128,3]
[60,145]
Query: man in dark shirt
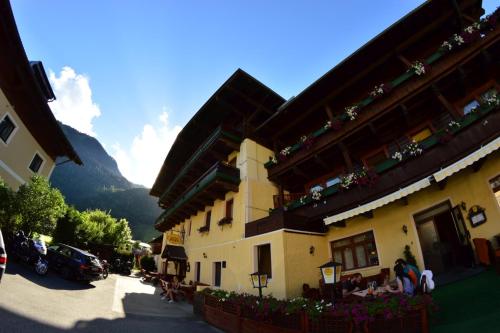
[351,284]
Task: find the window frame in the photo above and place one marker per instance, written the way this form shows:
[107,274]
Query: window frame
[257,259]
[214,265]
[352,246]
[323,179]
[11,135]
[41,164]
[476,94]
[229,208]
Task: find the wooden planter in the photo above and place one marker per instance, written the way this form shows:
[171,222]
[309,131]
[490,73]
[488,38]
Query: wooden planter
[253,326]
[413,322]
[328,323]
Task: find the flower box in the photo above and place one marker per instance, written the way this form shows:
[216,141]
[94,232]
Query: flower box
[225,220]
[413,322]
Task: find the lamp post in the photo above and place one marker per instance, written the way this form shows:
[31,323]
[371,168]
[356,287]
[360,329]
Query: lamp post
[259,280]
[331,274]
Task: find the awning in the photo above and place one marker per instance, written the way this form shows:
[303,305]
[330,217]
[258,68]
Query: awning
[468,160]
[175,253]
[379,202]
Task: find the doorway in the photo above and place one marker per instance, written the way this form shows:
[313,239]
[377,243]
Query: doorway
[444,238]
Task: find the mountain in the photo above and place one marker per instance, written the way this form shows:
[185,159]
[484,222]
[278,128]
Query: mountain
[98,183]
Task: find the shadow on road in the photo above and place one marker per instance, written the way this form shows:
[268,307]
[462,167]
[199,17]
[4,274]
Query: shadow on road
[51,281]
[13,322]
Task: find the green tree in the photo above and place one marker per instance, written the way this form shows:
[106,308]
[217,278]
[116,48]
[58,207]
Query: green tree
[68,228]
[100,227]
[39,206]
[9,220]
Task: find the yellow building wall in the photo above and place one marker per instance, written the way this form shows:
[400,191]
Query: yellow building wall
[301,266]
[17,154]
[228,243]
[470,187]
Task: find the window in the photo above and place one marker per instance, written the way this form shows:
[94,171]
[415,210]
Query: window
[333,181]
[356,252]
[208,217]
[470,106]
[316,187]
[229,208]
[197,271]
[422,134]
[217,273]
[264,260]
[36,163]
[495,187]
[7,127]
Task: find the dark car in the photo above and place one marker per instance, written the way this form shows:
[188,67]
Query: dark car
[74,263]
[3,256]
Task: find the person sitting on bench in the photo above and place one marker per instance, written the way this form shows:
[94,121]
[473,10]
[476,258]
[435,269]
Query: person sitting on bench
[173,289]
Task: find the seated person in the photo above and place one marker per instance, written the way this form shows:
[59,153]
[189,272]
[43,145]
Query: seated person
[174,288]
[410,270]
[404,284]
[351,285]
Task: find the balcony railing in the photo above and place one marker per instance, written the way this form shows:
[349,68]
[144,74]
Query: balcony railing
[213,184]
[392,174]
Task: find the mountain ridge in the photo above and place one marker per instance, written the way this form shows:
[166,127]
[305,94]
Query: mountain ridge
[99,184]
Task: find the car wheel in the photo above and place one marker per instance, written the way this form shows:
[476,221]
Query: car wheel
[66,273]
[41,268]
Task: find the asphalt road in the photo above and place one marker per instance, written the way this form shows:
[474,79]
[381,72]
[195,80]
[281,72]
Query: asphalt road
[31,303]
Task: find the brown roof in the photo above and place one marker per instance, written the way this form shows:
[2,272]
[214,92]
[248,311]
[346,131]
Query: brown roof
[19,82]
[240,97]
[381,45]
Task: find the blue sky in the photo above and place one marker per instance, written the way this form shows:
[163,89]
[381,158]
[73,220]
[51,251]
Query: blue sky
[135,72]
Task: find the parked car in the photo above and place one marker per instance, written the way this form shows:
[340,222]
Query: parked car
[3,256]
[73,263]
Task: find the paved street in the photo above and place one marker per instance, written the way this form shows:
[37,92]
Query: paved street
[30,303]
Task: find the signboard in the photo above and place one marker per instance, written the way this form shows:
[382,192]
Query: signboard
[174,238]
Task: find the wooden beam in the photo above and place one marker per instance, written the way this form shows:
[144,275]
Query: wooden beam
[329,112]
[405,61]
[249,100]
[462,80]
[299,172]
[229,106]
[445,103]
[346,155]
[320,161]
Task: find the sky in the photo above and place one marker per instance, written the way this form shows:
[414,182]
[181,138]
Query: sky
[132,73]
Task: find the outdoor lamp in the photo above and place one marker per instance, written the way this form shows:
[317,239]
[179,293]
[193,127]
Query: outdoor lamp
[331,272]
[331,275]
[259,280]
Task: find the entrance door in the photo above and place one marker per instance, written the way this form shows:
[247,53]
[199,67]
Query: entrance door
[444,239]
[429,241]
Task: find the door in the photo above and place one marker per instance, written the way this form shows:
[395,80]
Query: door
[466,252]
[430,243]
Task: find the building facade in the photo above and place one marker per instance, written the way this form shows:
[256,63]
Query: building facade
[30,137]
[395,148]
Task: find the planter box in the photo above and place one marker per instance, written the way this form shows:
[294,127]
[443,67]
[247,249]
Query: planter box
[225,321]
[414,322]
[198,303]
[330,324]
[252,326]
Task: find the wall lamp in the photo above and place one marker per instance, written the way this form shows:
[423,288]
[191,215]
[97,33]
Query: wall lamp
[463,205]
[311,250]
[405,229]
[204,255]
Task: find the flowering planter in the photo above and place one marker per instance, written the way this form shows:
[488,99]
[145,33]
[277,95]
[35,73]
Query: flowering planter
[331,324]
[413,322]
[226,321]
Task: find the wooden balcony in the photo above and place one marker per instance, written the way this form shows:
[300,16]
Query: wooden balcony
[393,175]
[216,147]
[212,185]
[281,219]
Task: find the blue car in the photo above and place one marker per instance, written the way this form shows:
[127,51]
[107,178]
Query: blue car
[73,263]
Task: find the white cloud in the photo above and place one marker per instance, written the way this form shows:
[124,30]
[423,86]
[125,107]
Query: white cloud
[74,105]
[141,162]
